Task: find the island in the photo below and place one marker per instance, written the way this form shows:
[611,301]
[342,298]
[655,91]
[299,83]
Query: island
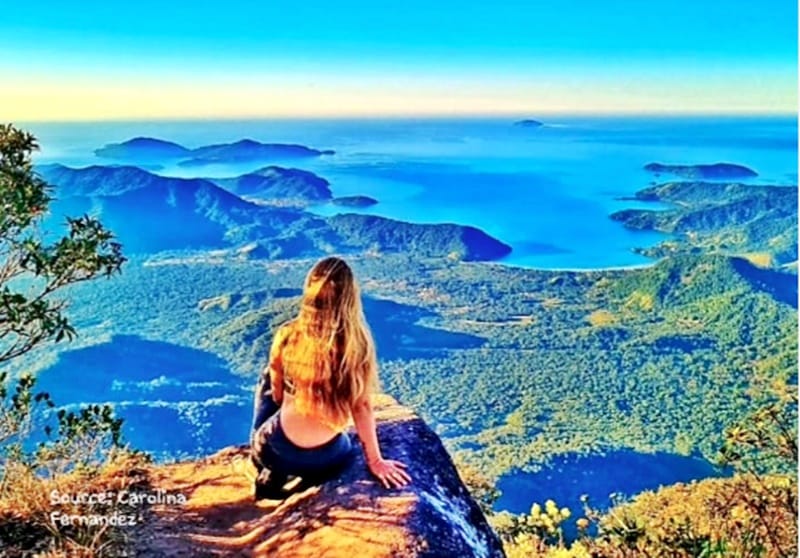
[143,148]
[529,123]
[242,151]
[278,185]
[354,201]
[713,171]
[247,150]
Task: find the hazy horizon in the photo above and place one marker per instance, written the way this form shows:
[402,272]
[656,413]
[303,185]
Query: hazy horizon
[511,117]
[247,59]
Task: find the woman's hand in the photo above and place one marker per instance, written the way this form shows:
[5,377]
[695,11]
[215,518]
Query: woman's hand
[391,473]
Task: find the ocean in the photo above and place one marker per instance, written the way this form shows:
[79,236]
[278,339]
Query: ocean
[545,191]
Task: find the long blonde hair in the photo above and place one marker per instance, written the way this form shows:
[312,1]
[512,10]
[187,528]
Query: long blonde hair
[329,349]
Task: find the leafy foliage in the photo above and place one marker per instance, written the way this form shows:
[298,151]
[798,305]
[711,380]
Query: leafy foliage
[30,269]
[35,454]
[752,514]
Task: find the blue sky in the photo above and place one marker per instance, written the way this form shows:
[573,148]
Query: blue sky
[250,58]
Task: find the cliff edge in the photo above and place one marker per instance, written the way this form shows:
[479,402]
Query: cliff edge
[352,516]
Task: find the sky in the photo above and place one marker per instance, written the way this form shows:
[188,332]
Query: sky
[105,59]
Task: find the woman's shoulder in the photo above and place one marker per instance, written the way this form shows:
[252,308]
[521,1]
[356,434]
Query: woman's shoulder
[280,337]
[283,330]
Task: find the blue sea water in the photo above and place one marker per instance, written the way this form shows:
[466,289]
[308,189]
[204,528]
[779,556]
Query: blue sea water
[546,191]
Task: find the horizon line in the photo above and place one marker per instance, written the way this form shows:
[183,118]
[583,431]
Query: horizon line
[415,116]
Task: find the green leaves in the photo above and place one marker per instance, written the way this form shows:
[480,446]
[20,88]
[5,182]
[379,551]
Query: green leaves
[29,316]
[91,420]
[33,269]
[23,196]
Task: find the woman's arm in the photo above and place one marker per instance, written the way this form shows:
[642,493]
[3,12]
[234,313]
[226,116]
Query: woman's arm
[389,472]
[276,383]
[276,365]
[269,390]
[263,406]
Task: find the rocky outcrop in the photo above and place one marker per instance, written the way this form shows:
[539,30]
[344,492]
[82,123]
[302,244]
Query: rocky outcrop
[352,516]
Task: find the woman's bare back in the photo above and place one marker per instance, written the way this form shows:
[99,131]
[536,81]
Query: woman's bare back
[303,430]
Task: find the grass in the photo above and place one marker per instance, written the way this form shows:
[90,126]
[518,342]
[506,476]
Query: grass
[36,509]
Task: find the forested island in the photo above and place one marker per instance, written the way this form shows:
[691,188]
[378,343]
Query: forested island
[242,151]
[528,123]
[354,201]
[713,171]
[278,185]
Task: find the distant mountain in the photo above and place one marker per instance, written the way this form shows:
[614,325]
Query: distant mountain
[354,201]
[97,180]
[243,151]
[728,218]
[717,170]
[247,150]
[278,183]
[529,123]
[152,213]
[142,148]
[468,243]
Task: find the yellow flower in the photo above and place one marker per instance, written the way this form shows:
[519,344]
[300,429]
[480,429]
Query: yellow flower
[738,513]
[582,523]
[551,508]
[565,513]
[536,509]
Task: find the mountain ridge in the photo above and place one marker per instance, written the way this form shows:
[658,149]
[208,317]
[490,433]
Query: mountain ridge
[734,218]
[240,151]
[150,213]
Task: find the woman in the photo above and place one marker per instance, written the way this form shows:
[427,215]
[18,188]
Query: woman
[322,368]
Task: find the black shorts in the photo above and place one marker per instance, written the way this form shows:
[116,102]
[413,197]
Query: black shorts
[273,450]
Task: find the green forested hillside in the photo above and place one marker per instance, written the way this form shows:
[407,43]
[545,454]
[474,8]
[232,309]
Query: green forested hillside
[759,222]
[510,365]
